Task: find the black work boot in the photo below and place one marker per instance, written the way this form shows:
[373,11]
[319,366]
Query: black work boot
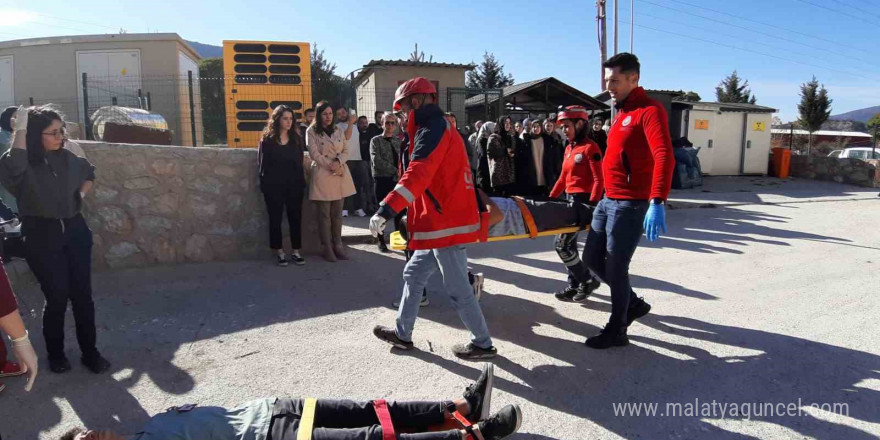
[609,337]
[501,424]
[636,310]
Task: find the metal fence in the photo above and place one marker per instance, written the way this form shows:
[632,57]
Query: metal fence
[200,111]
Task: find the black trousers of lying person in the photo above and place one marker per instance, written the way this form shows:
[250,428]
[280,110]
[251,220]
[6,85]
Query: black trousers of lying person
[506,218]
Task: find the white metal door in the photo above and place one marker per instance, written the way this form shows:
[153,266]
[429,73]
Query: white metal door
[728,144]
[113,76]
[701,132]
[7,82]
[187,117]
[756,156]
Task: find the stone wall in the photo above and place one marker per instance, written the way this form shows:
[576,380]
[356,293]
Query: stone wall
[851,171]
[164,205]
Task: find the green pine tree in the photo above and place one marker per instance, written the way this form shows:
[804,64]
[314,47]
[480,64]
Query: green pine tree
[814,109]
[326,84]
[735,90]
[489,74]
[213,97]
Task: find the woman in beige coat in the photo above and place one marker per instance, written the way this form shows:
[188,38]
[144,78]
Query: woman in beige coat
[330,181]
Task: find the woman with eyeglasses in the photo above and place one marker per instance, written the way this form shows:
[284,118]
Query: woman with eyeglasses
[50,183]
[330,180]
[282,181]
[383,163]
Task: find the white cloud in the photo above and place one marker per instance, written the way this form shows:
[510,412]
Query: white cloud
[15,17]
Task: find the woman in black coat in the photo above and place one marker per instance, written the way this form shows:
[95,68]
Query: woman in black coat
[282,181]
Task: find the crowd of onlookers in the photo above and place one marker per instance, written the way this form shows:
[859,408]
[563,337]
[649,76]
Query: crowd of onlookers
[352,164]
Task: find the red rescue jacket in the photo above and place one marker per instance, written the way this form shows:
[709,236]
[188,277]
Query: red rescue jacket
[581,171]
[437,188]
[638,163]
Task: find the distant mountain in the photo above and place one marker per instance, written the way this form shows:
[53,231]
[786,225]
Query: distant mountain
[206,50]
[861,115]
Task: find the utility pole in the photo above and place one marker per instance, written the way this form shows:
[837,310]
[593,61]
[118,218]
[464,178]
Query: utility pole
[874,144]
[603,41]
[632,23]
[616,24]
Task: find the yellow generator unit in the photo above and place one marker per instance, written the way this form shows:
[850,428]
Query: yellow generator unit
[259,76]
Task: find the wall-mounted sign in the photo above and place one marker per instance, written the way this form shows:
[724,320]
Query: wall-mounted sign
[701,124]
[758,126]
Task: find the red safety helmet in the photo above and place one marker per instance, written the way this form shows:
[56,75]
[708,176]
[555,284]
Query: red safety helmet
[573,112]
[414,86]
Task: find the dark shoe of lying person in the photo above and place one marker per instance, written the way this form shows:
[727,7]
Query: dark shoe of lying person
[567,294]
[479,394]
[501,424]
[96,363]
[585,290]
[608,337]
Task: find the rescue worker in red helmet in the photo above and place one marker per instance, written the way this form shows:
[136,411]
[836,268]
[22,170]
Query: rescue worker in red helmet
[581,181]
[437,190]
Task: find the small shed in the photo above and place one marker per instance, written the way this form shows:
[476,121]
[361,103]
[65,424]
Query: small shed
[377,81]
[146,71]
[541,96]
[734,139]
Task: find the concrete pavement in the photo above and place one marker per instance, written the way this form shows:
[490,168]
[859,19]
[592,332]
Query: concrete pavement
[755,303]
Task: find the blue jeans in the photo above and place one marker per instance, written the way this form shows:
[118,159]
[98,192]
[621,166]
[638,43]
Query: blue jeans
[451,262]
[614,235]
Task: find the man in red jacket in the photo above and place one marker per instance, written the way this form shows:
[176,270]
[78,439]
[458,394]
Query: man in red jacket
[637,169]
[437,190]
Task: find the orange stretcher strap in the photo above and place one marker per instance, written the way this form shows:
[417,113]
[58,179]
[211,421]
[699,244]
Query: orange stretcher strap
[527,216]
[472,430]
[381,407]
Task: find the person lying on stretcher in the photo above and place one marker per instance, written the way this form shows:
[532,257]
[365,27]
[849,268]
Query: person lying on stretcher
[325,419]
[507,216]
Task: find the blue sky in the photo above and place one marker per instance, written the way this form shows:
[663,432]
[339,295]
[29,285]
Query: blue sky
[683,44]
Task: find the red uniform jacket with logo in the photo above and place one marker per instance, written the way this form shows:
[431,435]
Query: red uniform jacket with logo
[581,171]
[437,188]
[638,162]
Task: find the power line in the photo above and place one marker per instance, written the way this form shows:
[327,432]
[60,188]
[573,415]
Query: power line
[838,12]
[845,45]
[741,27]
[713,31]
[865,11]
[692,37]
[76,21]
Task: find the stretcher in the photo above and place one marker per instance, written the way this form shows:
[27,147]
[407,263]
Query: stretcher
[398,243]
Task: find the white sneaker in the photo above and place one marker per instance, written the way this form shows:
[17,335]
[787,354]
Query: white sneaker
[345,213]
[478,285]
[360,213]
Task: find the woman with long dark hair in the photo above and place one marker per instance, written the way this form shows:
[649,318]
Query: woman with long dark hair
[501,148]
[330,180]
[50,183]
[283,181]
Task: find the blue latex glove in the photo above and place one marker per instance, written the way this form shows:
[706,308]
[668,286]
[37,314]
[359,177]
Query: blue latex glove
[655,221]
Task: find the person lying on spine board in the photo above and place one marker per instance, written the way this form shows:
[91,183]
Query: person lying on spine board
[326,419]
[506,215]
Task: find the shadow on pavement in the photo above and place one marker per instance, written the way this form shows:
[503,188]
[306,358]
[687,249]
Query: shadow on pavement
[149,317]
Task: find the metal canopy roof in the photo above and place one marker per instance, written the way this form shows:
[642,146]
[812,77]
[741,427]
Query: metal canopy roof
[540,95]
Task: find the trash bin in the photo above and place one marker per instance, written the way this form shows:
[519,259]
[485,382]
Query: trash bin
[781,162]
